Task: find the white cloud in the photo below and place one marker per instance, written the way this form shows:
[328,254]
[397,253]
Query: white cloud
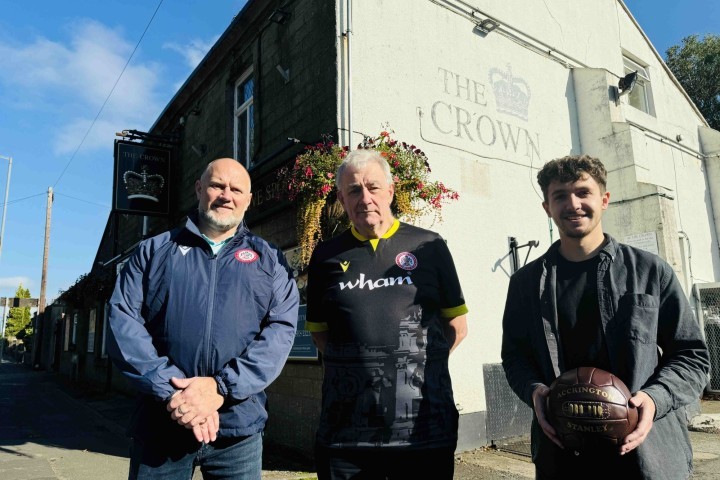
[194,51]
[72,80]
[14,282]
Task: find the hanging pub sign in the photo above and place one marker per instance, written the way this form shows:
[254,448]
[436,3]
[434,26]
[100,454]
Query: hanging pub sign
[142,173]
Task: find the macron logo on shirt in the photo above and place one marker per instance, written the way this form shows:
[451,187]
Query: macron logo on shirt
[372,284]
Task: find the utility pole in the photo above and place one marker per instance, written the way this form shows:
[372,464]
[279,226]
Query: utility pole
[7,190]
[43,281]
[2,333]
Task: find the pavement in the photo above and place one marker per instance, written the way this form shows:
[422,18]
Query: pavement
[53,430]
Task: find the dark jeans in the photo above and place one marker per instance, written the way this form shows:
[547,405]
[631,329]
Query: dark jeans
[591,465]
[384,464]
[225,458]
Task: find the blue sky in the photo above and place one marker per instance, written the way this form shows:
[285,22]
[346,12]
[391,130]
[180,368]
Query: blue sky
[667,22]
[59,61]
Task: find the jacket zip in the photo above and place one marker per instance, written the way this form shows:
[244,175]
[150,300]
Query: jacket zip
[208,316]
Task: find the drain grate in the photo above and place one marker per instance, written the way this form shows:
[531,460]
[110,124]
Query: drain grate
[518,446]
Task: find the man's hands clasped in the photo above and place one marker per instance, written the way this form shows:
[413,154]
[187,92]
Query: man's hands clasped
[195,406]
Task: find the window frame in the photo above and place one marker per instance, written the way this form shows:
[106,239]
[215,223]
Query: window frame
[74,329]
[103,345]
[640,97]
[92,328]
[246,107]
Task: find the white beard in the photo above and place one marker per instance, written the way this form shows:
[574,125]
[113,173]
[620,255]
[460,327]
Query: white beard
[210,218]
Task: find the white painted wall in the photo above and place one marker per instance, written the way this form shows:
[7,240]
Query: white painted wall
[419,66]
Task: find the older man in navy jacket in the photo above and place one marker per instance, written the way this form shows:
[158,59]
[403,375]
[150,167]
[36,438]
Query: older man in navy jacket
[202,319]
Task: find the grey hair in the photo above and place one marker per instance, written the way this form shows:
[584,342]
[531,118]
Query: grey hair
[361,157]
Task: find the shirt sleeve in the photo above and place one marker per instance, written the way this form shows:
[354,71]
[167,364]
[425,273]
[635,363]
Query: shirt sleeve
[452,298]
[315,320]
[685,361]
[129,344]
[518,357]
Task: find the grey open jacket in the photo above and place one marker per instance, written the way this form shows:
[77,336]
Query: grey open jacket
[653,339]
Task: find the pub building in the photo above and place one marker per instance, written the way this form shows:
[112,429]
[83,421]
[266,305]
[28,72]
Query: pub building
[488,91]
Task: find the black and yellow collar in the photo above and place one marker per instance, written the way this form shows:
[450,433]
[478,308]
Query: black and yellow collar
[374,241]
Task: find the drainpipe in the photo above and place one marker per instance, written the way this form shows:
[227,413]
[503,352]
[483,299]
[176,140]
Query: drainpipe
[348,70]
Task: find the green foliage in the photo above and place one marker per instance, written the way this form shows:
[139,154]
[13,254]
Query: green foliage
[18,324]
[696,65]
[89,288]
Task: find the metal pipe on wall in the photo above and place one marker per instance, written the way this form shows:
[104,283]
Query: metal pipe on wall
[7,190]
[349,70]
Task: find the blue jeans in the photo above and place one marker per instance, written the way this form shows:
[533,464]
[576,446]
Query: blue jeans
[226,458]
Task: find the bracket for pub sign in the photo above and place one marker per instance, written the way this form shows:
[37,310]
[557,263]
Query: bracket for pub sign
[514,247]
[134,135]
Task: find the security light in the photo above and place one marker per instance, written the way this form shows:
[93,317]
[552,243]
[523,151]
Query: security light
[626,83]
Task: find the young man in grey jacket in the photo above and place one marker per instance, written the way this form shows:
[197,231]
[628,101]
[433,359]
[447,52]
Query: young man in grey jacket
[591,301]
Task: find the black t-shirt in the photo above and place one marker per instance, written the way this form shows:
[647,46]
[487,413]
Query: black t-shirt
[581,336]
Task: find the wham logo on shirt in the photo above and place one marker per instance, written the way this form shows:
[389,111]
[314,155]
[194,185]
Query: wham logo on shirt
[372,284]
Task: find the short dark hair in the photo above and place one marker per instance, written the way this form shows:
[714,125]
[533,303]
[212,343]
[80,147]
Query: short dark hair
[571,169]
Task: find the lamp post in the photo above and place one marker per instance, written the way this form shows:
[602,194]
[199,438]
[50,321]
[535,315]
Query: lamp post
[7,191]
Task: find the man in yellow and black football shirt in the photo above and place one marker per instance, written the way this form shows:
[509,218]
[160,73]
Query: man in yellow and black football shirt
[385,308]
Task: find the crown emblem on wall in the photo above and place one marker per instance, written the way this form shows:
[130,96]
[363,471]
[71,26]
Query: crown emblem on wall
[142,185]
[512,94]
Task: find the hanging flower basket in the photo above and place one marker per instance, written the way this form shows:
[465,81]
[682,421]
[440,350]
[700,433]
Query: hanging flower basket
[311,185]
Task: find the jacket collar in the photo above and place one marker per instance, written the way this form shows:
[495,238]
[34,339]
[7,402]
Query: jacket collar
[609,250]
[191,225]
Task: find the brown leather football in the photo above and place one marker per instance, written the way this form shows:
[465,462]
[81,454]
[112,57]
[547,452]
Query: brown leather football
[588,406]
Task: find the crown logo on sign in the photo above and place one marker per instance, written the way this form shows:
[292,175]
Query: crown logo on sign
[512,94]
[142,185]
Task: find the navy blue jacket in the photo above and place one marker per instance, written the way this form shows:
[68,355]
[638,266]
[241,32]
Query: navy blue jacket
[653,339]
[178,310]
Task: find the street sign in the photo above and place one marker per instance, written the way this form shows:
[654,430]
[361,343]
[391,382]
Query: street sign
[15,302]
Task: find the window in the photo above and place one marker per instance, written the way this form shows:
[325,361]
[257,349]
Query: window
[91,332]
[641,95]
[73,341]
[103,347]
[244,119]
[66,332]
